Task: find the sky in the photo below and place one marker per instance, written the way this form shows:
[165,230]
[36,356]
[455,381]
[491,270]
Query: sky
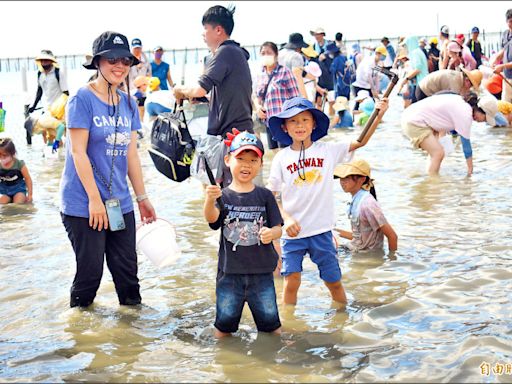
[27,27]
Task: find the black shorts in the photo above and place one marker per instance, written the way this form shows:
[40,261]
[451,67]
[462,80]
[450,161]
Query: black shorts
[141,101]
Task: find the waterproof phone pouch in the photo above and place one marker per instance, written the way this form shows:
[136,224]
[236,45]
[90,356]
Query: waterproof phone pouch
[115,215]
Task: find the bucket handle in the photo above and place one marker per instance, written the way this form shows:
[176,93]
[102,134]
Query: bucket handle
[140,225]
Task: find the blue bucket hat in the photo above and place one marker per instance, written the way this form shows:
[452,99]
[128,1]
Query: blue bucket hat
[291,108]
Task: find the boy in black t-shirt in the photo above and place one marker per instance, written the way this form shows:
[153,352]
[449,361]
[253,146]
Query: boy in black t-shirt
[249,219]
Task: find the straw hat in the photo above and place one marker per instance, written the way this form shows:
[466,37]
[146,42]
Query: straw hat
[341,104]
[141,80]
[475,76]
[355,167]
[46,54]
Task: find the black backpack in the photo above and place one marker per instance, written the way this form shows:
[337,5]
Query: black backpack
[172,146]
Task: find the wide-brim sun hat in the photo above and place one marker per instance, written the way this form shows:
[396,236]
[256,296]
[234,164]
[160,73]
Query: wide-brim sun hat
[291,108]
[490,106]
[402,55]
[111,45]
[475,77]
[46,55]
[367,106]
[309,51]
[141,80]
[355,167]
[295,40]
[340,104]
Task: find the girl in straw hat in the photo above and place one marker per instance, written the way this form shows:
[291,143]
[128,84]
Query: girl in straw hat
[369,226]
[343,118]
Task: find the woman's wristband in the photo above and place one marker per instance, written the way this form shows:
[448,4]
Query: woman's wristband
[141,198]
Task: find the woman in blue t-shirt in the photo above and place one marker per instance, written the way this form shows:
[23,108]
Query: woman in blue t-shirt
[96,205]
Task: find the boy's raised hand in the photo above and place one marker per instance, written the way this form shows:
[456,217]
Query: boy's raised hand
[213,192]
[292,227]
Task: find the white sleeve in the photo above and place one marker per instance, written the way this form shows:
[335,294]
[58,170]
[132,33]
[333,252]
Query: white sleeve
[275,179]
[63,82]
[340,152]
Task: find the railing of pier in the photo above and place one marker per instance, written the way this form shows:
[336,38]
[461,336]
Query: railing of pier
[491,42]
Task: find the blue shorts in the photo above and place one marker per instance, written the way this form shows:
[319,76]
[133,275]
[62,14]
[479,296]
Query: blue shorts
[322,251]
[11,190]
[258,290]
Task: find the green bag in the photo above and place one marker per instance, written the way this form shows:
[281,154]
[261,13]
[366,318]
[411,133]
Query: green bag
[2,118]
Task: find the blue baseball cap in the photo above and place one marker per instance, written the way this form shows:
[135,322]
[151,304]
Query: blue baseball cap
[291,108]
[136,43]
[332,48]
[242,141]
[475,30]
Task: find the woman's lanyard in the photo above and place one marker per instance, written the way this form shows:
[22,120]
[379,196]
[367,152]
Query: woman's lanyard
[111,178]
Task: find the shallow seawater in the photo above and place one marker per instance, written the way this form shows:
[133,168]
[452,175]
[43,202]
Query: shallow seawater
[433,311]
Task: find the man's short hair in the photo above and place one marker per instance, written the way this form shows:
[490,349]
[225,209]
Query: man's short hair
[218,15]
[509,14]
[338,36]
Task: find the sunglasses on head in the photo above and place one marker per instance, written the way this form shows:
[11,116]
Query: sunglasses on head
[123,60]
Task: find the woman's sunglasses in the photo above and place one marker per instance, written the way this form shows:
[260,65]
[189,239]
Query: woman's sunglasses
[123,60]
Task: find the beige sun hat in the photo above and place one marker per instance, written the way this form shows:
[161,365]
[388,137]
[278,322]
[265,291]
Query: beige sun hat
[341,104]
[355,167]
[46,54]
[317,31]
[309,51]
[475,76]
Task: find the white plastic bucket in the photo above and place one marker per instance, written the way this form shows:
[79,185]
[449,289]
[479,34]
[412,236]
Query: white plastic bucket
[157,241]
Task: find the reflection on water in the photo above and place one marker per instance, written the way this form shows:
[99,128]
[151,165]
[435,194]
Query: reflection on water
[433,311]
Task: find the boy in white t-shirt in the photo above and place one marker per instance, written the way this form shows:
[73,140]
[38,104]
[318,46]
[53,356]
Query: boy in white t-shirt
[303,174]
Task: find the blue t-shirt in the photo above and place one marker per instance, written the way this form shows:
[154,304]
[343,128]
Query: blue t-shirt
[160,71]
[506,44]
[86,110]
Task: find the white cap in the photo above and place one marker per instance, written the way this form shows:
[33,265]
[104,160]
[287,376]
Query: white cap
[490,106]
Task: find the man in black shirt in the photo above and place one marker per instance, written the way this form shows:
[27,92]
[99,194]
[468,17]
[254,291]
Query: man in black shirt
[475,47]
[227,76]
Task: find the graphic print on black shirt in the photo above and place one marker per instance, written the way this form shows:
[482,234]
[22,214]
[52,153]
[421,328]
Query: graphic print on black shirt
[242,225]
[241,219]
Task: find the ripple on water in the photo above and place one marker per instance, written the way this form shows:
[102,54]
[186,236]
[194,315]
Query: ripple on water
[433,311]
